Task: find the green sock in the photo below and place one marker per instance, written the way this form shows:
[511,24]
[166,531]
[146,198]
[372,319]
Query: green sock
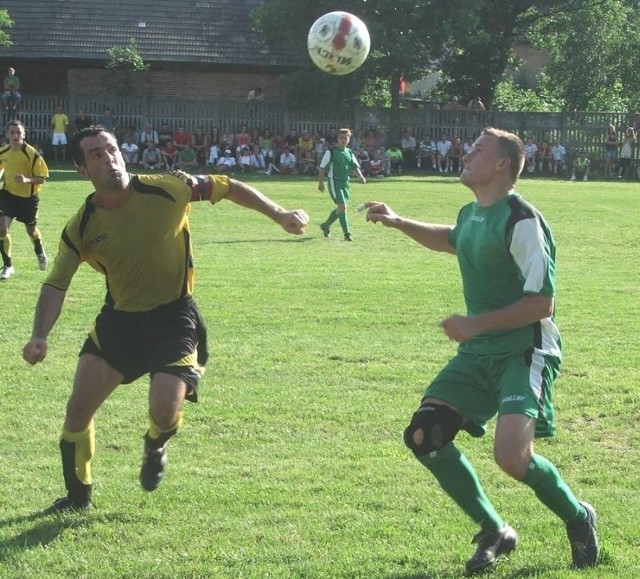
[332,217]
[344,222]
[459,480]
[545,480]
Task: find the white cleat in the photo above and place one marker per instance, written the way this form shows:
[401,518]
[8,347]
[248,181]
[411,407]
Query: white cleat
[7,272]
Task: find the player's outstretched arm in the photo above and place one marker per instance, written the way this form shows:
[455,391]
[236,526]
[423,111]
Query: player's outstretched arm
[48,310]
[243,194]
[432,236]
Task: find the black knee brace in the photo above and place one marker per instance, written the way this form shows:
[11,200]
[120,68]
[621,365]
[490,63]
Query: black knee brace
[439,425]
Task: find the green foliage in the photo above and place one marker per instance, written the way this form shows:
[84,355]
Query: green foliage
[126,57]
[292,465]
[5,22]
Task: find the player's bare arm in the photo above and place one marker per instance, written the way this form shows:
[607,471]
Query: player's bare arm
[432,236]
[527,310]
[48,310]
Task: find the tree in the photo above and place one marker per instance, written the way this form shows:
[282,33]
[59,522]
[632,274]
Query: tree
[124,62]
[5,22]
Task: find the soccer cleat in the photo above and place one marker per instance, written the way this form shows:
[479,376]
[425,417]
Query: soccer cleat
[347,237]
[66,505]
[154,463]
[42,260]
[7,272]
[325,229]
[491,544]
[584,540]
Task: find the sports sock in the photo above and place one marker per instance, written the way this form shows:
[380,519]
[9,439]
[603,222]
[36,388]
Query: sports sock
[37,245]
[157,436]
[344,222]
[332,217]
[77,450]
[5,249]
[545,480]
[459,480]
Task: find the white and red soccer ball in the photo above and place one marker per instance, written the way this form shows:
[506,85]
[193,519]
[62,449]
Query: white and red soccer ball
[338,42]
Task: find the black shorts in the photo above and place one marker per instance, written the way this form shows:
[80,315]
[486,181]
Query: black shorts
[171,339]
[23,209]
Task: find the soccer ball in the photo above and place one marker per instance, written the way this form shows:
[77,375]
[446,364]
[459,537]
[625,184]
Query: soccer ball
[338,42]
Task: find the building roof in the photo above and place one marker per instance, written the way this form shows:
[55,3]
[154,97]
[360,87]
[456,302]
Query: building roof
[219,32]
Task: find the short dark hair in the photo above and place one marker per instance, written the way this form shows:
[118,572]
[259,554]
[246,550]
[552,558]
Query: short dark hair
[77,154]
[511,146]
[16,123]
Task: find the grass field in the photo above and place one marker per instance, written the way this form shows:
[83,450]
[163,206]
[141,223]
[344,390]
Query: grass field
[293,465]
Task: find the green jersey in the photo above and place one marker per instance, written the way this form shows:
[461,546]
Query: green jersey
[506,251]
[340,163]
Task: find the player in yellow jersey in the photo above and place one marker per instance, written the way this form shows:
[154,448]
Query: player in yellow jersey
[24,173]
[135,231]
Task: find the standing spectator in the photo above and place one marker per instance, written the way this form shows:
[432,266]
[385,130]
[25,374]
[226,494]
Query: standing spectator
[559,154]
[152,157]
[24,174]
[581,166]
[476,104]
[187,159]
[545,158]
[148,135]
[443,147]
[11,89]
[150,323]
[509,352]
[530,153]
[214,138]
[610,151]
[427,153]
[408,146]
[82,121]
[200,144]
[181,138]
[108,121]
[59,124]
[266,146]
[169,155]
[337,164]
[130,151]
[626,153]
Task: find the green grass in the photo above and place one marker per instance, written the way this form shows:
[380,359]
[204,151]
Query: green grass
[293,463]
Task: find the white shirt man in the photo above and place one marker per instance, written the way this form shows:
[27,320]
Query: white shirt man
[444,148]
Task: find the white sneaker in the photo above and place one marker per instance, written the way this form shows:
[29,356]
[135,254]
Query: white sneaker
[7,272]
[42,260]
[585,178]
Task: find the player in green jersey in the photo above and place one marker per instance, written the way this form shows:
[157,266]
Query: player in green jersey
[336,164]
[508,354]
[135,231]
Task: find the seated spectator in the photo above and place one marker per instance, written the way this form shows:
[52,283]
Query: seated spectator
[228,139]
[559,154]
[108,121]
[148,135]
[455,155]
[408,146]
[291,142]
[467,147]
[165,134]
[443,147]
[320,147]
[305,143]
[226,163]
[266,146]
[260,159]
[307,163]
[214,153]
[131,132]
[386,162]
[247,160]
[130,151]
[200,144]
[376,165]
[396,158]
[530,154]
[426,153]
[581,166]
[169,154]
[371,143]
[152,157]
[363,159]
[243,139]
[11,89]
[187,159]
[181,138]
[545,159]
[287,166]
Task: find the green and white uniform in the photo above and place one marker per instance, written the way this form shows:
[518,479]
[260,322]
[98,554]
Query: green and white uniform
[340,162]
[505,251]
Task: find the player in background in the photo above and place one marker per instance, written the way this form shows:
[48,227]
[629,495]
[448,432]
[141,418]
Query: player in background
[337,162]
[25,171]
[135,231]
[508,354]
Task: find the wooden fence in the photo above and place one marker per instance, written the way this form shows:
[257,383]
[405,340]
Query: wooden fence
[574,130]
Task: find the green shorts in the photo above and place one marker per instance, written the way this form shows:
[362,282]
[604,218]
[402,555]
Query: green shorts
[171,339]
[339,191]
[481,386]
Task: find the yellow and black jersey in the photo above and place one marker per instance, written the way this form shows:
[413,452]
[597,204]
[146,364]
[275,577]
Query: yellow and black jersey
[24,161]
[143,247]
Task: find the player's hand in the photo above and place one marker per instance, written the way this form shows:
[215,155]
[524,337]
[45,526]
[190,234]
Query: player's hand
[459,328]
[294,221]
[321,186]
[380,213]
[35,350]
[22,179]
